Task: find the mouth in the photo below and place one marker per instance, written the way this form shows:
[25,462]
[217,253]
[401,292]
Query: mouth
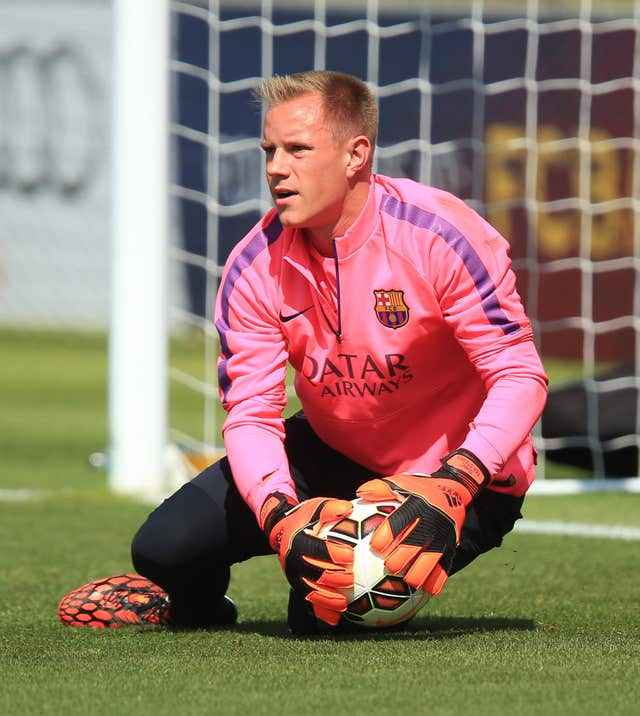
[281,195]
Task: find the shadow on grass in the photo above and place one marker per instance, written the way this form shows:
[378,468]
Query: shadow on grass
[420,629]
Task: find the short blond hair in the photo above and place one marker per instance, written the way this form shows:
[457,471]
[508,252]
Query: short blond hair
[348,104]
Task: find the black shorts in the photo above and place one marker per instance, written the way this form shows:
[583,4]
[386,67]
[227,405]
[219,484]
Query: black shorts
[195,535]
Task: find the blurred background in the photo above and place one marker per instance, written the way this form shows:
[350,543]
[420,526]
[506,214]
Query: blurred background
[530,111]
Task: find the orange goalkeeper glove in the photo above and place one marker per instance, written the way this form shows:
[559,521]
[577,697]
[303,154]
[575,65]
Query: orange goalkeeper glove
[314,567]
[421,535]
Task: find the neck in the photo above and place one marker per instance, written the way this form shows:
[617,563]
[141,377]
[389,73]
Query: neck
[322,237]
[323,244]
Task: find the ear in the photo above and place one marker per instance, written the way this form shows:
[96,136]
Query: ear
[359,155]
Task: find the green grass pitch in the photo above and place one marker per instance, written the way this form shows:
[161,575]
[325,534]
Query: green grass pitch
[545,625]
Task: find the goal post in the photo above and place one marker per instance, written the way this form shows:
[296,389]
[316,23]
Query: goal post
[138,333]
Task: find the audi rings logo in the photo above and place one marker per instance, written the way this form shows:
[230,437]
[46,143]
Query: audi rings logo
[50,120]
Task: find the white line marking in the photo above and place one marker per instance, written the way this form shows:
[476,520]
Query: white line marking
[577,529]
[22,495]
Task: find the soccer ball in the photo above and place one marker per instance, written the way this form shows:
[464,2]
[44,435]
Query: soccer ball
[379,598]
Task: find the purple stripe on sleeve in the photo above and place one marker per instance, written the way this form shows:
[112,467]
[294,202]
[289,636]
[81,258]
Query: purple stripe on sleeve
[258,243]
[458,242]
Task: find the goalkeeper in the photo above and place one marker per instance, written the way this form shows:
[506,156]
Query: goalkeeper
[414,361]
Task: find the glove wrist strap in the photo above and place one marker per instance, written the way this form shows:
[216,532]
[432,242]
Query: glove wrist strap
[273,509]
[464,467]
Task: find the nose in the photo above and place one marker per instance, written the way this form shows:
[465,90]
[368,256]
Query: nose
[276,164]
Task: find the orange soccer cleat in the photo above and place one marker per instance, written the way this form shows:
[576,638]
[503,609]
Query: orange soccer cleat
[120,600]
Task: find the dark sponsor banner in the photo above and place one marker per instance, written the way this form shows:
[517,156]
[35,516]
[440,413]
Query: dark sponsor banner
[573,241]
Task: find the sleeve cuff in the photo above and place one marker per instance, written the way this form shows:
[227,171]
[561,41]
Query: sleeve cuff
[484,451]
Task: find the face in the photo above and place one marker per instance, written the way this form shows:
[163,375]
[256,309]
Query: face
[307,171]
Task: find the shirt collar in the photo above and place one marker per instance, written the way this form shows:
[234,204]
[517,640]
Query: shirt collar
[364,225]
[352,239]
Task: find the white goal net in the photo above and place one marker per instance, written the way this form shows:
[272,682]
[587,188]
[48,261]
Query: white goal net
[530,111]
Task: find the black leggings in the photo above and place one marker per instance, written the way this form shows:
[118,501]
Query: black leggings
[189,542]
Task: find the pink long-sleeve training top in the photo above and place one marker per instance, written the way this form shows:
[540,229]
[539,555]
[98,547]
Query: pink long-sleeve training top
[411,341]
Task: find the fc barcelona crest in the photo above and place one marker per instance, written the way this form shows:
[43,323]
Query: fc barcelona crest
[391,310]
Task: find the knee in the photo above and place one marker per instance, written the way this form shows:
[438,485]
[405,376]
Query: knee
[184,531]
[162,544]
[166,555]
[152,553]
